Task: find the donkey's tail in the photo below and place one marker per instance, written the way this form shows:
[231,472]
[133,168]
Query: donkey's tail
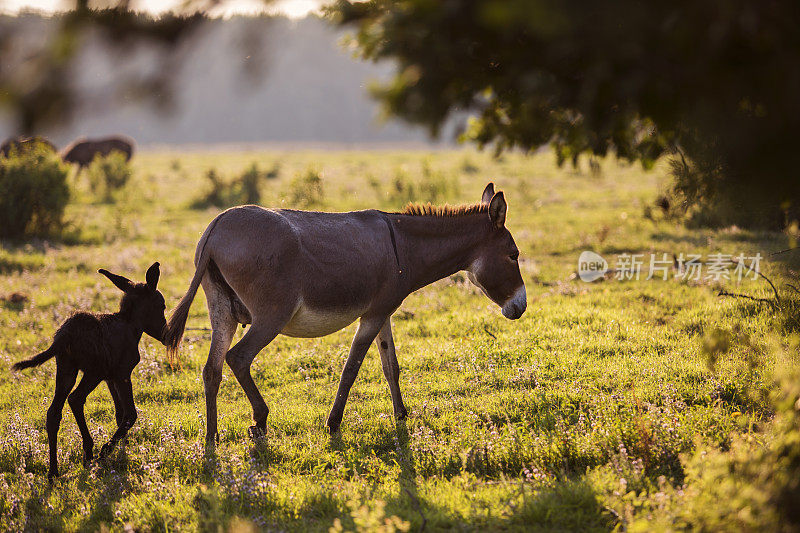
[36,360]
[173,333]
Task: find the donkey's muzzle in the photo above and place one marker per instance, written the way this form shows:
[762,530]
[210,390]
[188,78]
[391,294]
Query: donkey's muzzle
[516,305]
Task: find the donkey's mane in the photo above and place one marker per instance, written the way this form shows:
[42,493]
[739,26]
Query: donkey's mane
[428,210]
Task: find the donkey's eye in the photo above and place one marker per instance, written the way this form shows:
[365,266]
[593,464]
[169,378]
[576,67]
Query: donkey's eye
[514,256]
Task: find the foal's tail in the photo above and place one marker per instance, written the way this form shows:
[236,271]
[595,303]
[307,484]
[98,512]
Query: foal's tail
[173,333]
[36,360]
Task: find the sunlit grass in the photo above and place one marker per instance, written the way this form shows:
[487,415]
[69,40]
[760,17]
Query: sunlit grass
[546,422]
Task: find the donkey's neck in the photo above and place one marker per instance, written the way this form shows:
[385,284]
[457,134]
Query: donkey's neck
[130,322]
[434,247]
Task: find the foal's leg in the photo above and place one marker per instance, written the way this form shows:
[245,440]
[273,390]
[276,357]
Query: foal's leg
[118,410]
[65,379]
[76,402]
[367,330]
[240,358]
[125,391]
[391,369]
[223,327]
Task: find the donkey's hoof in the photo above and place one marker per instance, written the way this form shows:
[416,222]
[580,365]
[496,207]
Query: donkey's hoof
[105,450]
[256,432]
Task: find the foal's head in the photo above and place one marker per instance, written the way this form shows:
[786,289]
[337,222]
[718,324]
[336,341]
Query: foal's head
[495,266]
[142,302]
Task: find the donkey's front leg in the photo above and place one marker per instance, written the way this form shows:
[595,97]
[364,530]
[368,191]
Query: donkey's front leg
[118,409]
[367,330]
[391,369]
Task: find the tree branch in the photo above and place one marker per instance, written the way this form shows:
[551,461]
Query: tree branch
[750,268]
[723,292]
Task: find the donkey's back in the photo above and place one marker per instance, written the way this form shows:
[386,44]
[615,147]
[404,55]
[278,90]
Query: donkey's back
[249,229]
[324,270]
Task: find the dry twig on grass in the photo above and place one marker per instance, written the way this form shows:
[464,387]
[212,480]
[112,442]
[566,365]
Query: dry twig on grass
[770,301]
[776,303]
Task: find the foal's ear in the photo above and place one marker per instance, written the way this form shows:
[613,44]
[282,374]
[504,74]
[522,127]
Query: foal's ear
[488,192]
[152,275]
[122,283]
[497,210]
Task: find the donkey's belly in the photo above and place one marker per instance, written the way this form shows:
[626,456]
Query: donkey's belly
[308,322]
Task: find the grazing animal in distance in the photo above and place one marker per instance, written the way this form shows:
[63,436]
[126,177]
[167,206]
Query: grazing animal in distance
[22,144]
[309,274]
[83,151]
[105,347]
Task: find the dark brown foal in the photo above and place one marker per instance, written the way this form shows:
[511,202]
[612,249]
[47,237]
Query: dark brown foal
[105,347]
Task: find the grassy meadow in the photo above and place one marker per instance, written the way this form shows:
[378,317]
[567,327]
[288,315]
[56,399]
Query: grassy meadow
[594,411]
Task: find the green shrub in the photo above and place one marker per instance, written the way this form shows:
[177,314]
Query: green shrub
[306,190]
[468,166]
[433,186]
[108,174]
[216,194]
[402,190]
[244,189]
[249,183]
[372,518]
[754,486]
[33,193]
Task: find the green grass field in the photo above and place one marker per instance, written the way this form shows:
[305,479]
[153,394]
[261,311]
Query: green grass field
[591,412]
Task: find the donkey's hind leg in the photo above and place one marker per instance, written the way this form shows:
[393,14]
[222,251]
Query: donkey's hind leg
[65,379]
[76,402]
[223,327]
[240,358]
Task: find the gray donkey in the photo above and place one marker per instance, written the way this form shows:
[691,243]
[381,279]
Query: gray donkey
[105,347]
[309,274]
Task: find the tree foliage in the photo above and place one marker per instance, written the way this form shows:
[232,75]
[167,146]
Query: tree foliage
[37,82]
[712,81]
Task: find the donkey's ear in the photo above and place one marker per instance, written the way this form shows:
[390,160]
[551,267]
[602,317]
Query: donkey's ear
[152,275]
[497,210]
[488,192]
[122,283]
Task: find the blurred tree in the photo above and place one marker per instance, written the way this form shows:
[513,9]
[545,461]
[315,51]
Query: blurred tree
[36,72]
[713,82]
